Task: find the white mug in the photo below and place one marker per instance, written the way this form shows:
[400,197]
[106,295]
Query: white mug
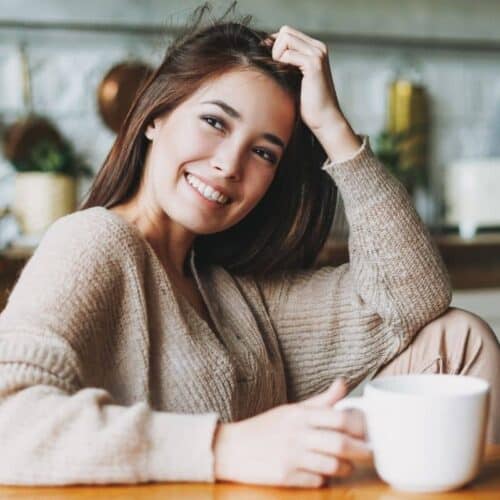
[427,431]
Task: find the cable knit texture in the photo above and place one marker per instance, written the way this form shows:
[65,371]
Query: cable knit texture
[108,376]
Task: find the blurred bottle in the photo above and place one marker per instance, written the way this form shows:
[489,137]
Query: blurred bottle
[408,121]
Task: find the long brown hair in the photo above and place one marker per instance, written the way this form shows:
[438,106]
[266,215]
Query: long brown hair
[290,224]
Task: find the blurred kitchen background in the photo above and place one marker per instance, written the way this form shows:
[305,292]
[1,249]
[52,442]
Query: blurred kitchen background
[420,77]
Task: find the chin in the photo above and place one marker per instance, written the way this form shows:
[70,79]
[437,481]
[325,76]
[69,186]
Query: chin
[207,230]
[198,227]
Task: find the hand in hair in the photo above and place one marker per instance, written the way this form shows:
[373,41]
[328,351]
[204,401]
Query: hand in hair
[319,106]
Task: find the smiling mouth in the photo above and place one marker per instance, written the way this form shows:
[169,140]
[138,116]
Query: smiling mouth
[205,191]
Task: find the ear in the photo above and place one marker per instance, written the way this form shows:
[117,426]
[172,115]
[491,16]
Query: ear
[152,129]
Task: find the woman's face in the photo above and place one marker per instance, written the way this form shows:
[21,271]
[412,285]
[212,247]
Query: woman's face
[209,164]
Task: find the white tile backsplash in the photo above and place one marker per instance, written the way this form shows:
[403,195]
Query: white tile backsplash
[11,86]
[61,80]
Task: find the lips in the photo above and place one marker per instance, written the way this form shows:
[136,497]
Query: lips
[206,191]
[213,185]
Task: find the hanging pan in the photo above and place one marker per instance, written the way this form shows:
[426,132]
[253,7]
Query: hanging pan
[117,90]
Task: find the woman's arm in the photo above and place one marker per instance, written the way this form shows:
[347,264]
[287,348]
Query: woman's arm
[346,321]
[349,320]
[54,428]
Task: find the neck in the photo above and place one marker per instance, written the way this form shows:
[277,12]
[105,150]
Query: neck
[170,241]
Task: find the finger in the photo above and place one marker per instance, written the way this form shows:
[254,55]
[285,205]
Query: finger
[290,41]
[334,393]
[326,465]
[294,58]
[350,421]
[267,41]
[270,39]
[338,444]
[306,38]
[306,479]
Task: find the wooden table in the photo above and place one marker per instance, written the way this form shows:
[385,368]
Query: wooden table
[363,484]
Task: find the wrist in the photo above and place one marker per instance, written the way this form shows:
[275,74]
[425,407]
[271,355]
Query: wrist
[338,138]
[223,443]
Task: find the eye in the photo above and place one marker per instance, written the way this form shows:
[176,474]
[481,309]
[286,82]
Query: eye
[264,153]
[211,120]
[268,156]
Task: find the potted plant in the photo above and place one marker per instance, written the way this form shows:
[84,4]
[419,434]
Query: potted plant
[402,154]
[46,171]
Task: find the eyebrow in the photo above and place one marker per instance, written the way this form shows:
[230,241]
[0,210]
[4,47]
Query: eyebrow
[235,114]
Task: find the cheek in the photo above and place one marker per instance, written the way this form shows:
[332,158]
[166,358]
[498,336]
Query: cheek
[198,135]
[200,143]
[187,141]
[257,186]
[173,155]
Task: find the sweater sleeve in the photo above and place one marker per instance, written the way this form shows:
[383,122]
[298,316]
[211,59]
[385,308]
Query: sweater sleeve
[348,320]
[54,428]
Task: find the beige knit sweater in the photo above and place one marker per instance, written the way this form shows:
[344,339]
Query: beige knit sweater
[107,376]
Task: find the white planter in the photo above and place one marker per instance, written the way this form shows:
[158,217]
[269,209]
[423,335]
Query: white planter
[41,198]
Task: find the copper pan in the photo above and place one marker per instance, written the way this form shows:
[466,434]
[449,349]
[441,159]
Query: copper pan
[117,90]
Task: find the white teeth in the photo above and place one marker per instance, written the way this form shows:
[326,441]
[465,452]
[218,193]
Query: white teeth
[206,191]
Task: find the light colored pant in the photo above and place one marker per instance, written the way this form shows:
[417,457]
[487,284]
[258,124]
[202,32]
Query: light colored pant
[457,342]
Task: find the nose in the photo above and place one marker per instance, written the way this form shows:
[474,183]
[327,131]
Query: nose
[228,162]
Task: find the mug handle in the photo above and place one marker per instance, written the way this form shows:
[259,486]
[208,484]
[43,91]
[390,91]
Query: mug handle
[355,402]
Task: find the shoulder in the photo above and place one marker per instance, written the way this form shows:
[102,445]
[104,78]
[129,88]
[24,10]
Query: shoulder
[81,258]
[90,233]
[85,247]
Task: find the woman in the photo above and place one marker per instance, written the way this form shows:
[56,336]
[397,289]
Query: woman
[172,328]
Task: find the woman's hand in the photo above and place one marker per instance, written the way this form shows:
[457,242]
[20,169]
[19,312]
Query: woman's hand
[299,444]
[319,106]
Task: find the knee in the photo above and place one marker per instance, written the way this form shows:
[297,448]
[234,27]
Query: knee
[460,319]
[460,322]
[461,342]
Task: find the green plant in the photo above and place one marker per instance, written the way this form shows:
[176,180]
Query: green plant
[402,155]
[53,157]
